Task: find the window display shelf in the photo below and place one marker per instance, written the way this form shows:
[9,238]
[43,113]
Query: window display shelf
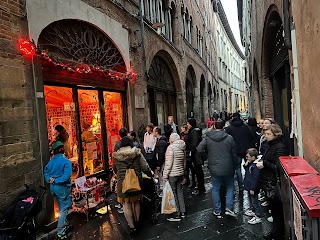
[87,198]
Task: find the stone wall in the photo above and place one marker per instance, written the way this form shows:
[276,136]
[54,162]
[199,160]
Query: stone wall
[19,147]
[307,21]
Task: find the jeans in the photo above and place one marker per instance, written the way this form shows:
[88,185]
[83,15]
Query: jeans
[255,204]
[175,183]
[239,174]
[62,195]
[151,160]
[217,181]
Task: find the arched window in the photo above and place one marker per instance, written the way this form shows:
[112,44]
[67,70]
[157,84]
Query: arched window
[190,30]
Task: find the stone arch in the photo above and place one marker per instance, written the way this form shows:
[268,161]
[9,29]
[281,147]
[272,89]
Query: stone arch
[202,98]
[51,11]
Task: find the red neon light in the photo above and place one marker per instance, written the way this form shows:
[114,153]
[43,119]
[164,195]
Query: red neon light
[27,47]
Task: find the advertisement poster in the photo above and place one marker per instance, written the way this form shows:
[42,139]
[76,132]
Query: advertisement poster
[92,150]
[297,222]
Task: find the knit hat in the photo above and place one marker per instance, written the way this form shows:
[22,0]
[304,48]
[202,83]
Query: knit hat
[192,122]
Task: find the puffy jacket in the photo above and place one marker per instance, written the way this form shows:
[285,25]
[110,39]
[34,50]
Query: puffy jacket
[221,152]
[175,163]
[124,157]
[271,162]
[160,150]
[241,135]
[252,177]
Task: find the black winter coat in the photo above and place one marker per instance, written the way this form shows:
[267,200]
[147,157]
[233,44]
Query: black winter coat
[160,150]
[255,137]
[252,177]
[193,144]
[271,162]
[241,135]
[168,130]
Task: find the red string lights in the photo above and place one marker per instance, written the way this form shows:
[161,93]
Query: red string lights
[29,49]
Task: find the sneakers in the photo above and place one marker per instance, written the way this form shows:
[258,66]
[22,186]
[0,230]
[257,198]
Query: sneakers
[120,210]
[174,219]
[118,206]
[270,219]
[262,199]
[265,204]
[183,215]
[230,213]
[249,213]
[218,215]
[255,220]
[64,236]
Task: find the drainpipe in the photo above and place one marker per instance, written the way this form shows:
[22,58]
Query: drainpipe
[286,18]
[142,35]
[296,89]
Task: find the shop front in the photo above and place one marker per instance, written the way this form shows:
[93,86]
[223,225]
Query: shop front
[85,81]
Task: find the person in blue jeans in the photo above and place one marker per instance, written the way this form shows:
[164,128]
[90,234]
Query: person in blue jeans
[221,152]
[252,185]
[58,173]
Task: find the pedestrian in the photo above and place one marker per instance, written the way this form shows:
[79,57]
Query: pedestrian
[63,136]
[270,171]
[149,143]
[215,115]
[58,173]
[133,136]
[170,127]
[252,185]
[210,121]
[243,138]
[259,126]
[160,149]
[195,137]
[263,146]
[130,156]
[253,126]
[122,133]
[189,165]
[222,162]
[175,165]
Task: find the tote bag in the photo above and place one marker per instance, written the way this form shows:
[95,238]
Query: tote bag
[168,205]
[131,181]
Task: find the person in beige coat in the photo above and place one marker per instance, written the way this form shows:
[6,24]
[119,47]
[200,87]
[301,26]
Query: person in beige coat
[175,165]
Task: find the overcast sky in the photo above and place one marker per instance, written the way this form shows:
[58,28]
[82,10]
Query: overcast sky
[230,7]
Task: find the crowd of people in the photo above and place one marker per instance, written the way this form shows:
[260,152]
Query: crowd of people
[177,155]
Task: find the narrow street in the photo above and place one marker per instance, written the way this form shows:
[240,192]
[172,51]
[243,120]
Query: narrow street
[200,223]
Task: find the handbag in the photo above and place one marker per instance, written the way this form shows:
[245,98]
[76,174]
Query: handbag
[131,181]
[273,192]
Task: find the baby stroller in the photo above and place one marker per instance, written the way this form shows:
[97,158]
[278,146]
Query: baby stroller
[151,202]
[18,222]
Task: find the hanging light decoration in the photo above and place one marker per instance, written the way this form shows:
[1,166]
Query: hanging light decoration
[29,49]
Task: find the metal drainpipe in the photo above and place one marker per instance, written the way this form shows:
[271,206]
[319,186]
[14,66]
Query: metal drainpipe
[296,90]
[142,35]
[286,16]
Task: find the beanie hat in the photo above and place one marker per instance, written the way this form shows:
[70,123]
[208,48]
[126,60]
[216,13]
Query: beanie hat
[192,122]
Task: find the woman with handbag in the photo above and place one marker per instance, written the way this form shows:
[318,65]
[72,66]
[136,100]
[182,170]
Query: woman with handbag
[270,181]
[128,165]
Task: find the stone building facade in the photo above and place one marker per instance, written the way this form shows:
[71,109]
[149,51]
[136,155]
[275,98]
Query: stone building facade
[282,68]
[231,90]
[170,45]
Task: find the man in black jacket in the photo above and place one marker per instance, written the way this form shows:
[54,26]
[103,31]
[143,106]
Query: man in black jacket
[222,162]
[160,147]
[170,127]
[243,138]
[194,139]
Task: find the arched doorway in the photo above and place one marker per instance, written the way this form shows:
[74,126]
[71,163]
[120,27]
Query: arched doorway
[161,92]
[211,100]
[190,80]
[84,76]
[202,94]
[276,71]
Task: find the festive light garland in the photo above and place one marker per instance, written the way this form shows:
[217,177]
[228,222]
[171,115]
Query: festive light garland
[29,49]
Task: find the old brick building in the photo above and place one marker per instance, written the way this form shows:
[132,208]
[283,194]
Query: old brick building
[82,76]
[282,56]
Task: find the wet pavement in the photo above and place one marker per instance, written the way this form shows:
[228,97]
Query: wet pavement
[200,223]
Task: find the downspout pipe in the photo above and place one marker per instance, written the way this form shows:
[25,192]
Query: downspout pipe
[297,90]
[287,23]
[141,13]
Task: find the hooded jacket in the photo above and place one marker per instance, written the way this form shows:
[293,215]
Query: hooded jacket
[175,163]
[221,151]
[241,135]
[124,157]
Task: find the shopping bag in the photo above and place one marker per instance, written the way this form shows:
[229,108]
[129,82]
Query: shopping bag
[130,182]
[168,203]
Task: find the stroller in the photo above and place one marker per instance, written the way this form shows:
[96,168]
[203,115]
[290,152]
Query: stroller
[151,202]
[18,222]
